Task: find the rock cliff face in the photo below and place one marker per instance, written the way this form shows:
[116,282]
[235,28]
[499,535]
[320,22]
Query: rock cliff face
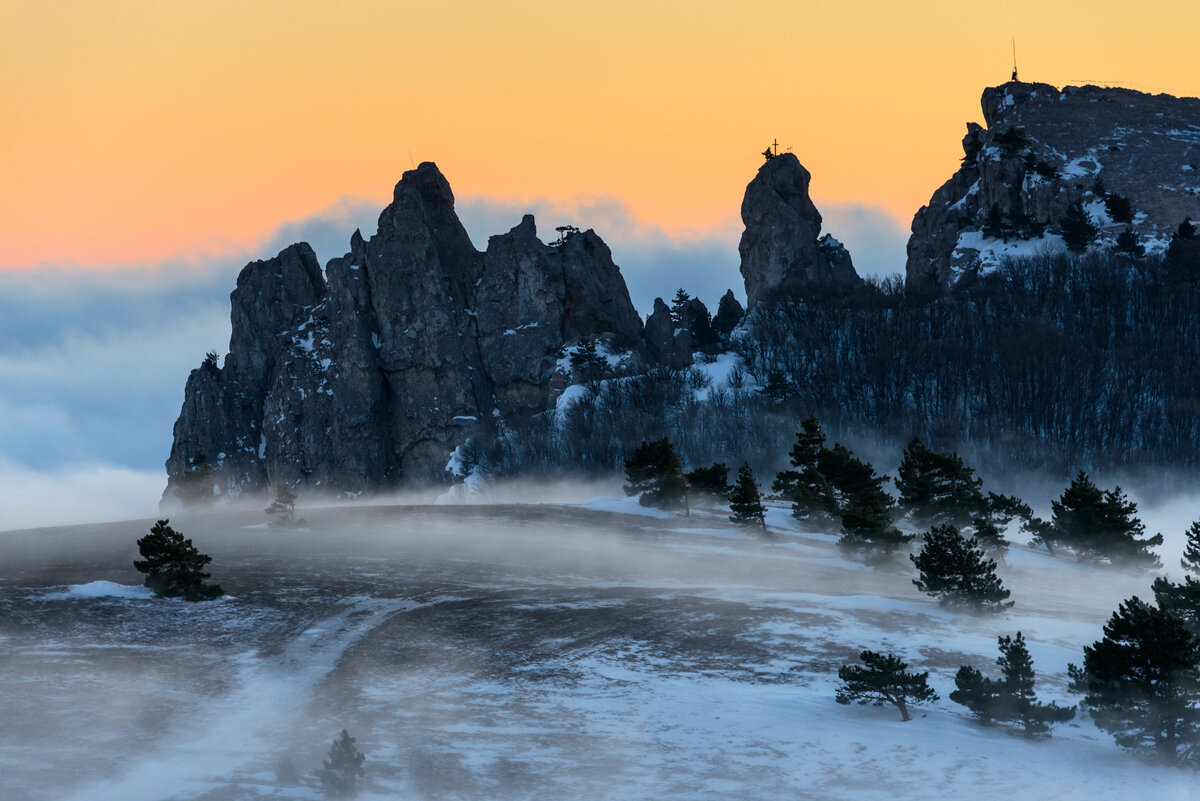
[370,374]
[783,253]
[1040,156]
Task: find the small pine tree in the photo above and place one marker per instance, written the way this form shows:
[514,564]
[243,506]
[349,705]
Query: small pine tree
[882,678]
[677,303]
[746,501]
[1191,552]
[1077,229]
[956,571]
[342,768]
[937,488]
[808,490]
[655,474]
[173,566]
[866,511]
[1118,207]
[778,388]
[1142,683]
[1096,525]
[1011,699]
[1127,242]
[995,226]
[283,507]
[710,482]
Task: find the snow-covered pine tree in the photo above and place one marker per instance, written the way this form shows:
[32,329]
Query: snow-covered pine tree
[956,571]
[745,504]
[883,678]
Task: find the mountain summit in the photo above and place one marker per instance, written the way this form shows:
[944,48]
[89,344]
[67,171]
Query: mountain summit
[1116,159]
[413,341]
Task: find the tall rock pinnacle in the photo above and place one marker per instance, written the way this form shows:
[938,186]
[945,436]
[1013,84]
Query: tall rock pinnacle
[782,250]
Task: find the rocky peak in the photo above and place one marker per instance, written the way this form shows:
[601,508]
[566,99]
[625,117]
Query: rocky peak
[1125,158]
[417,342]
[779,249]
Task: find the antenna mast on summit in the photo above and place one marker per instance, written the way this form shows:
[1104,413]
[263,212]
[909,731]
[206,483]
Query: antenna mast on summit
[1014,77]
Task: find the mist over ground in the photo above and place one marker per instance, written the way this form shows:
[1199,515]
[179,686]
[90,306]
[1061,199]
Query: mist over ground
[595,650]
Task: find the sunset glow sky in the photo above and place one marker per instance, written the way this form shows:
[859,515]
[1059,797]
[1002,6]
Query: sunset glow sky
[137,131]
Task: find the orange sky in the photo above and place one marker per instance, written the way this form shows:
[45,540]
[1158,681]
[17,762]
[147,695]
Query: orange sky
[134,130]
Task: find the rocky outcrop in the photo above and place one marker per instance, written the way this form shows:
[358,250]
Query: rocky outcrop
[369,375]
[1040,156]
[783,253]
[729,313]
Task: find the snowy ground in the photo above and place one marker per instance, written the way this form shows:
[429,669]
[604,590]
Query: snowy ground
[523,652]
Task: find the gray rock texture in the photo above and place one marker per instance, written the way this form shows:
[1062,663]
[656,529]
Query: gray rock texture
[1041,152]
[782,251]
[369,375]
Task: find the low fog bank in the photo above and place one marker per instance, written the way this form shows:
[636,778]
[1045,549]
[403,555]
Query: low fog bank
[86,493]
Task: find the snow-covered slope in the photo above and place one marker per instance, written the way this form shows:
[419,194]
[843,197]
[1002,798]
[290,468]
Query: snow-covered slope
[584,651]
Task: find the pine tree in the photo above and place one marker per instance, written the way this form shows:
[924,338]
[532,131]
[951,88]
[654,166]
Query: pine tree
[1191,552]
[882,678]
[283,506]
[746,501]
[710,482]
[342,768]
[1142,683]
[994,224]
[1012,698]
[809,492]
[988,535]
[1181,600]
[1127,242]
[865,509]
[1077,229]
[1097,525]
[778,387]
[173,566]
[677,303]
[655,474]
[937,488]
[955,570]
